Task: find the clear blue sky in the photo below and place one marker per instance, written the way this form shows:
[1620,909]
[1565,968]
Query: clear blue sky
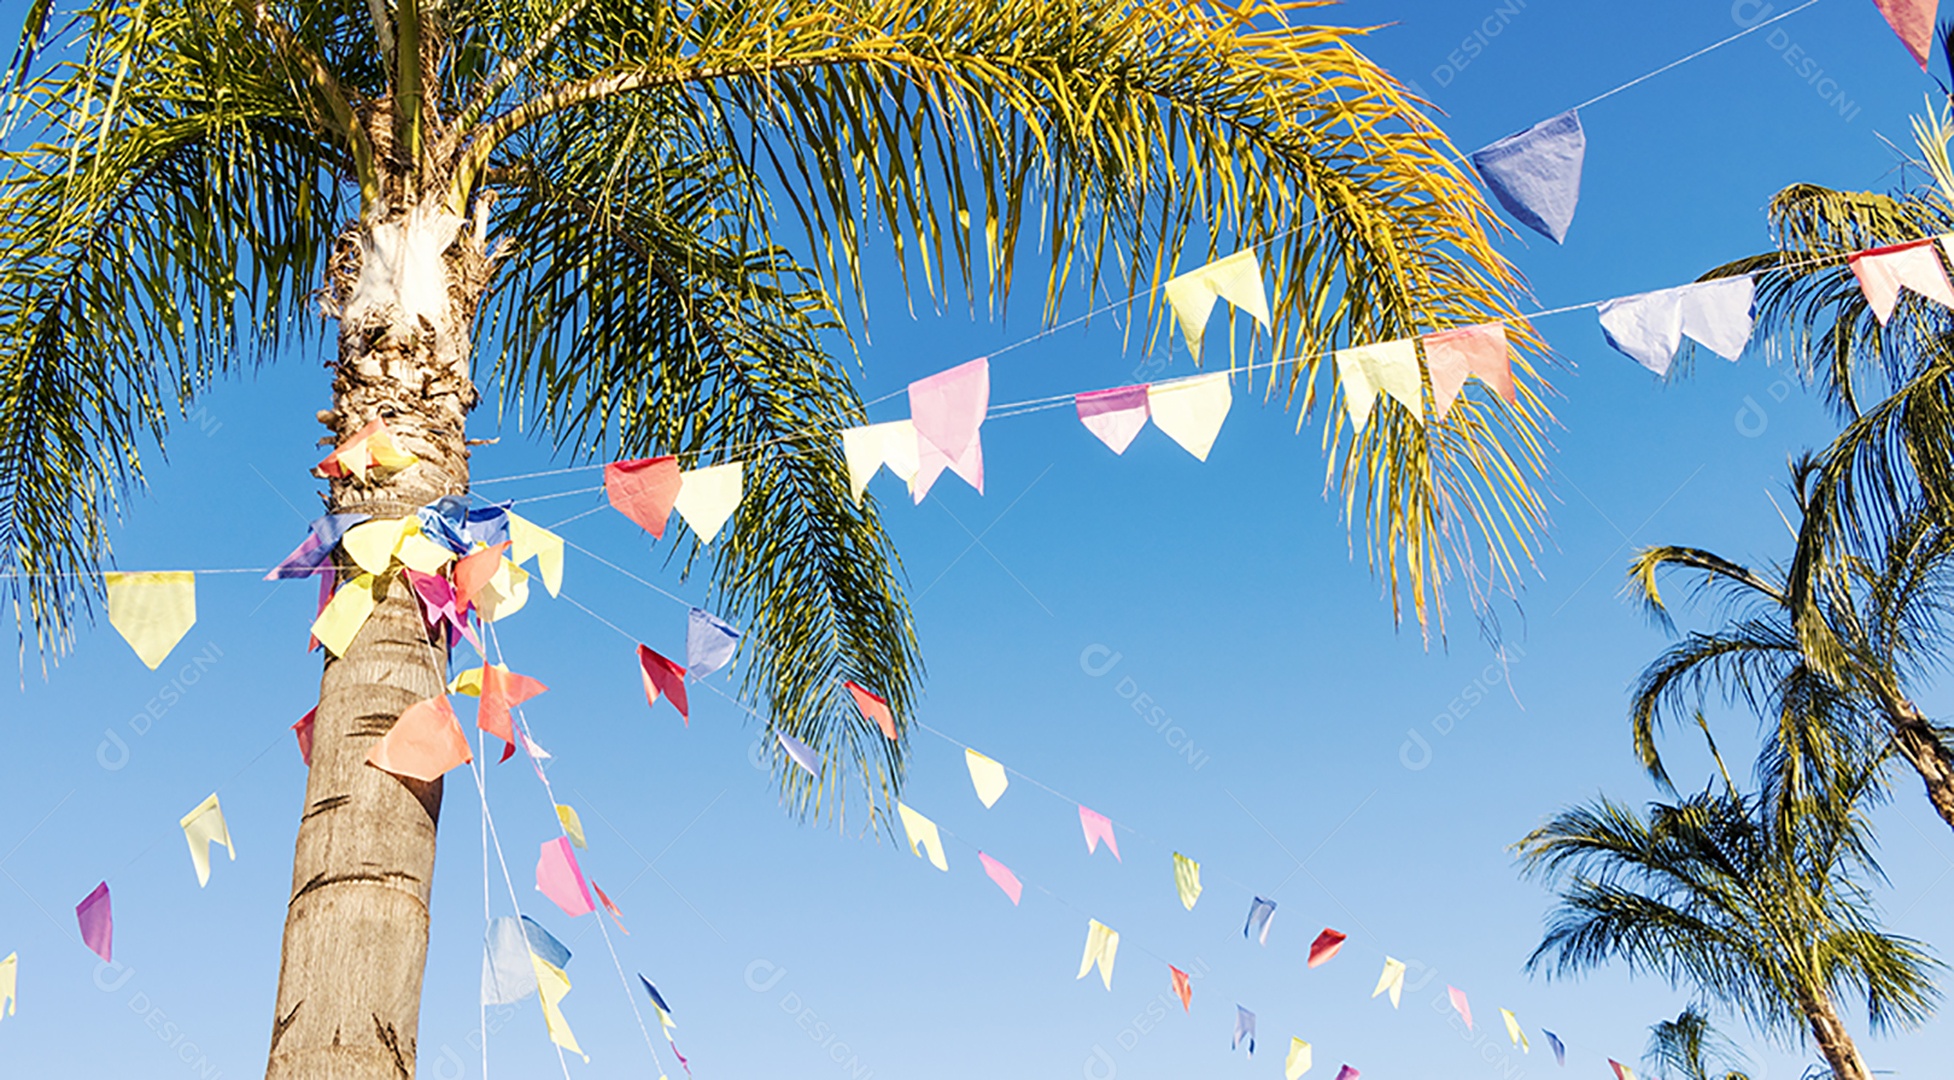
[1227,589]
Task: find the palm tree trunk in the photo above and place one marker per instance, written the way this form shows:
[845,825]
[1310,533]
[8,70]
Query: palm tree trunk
[1834,1042]
[355,945]
[1924,750]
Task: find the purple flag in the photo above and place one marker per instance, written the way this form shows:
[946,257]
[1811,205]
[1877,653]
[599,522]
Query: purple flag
[1115,416]
[709,643]
[1244,1030]
[311,556]
[1536,173]
[97,923]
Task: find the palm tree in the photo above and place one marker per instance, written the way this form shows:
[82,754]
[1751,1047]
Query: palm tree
[1887,618]
[1761,907]
[1690,1048]
[576,201]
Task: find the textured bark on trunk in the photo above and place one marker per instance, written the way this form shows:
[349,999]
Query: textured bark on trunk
[1834,1042]
[355,944]
[1928,756]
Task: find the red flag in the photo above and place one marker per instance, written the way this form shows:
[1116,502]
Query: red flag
[874,708]
[644,490]
[1325,947]
[474,571]
[303,729]
[662,676]
[616,915]
[500,690]
[1182,988]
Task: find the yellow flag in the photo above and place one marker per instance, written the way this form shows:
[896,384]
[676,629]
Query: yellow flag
[1513,1031]
[1359,393]
[1236,279]
[1392,367]
[9,970]
[866,449]
[350,607]
[987,776]
[708,497]
[203,827]
[417,552]
[153,610]
[1102,944]
[526,538]
[1392,979]
[1187,880]
[505,594]
[1298,1061]
[372,543]
[1191,410]
[551,985]
[922,831]
[572,824]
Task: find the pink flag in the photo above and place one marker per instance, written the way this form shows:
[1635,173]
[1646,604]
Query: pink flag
[1325,947]
[1915,265]
[874,707]
[327,579]
[644,490]
[616,915]
[424,743]
[303,729]
[948,411]
[97,923]
[500,690]
[1460,1004]
[1913,20]
[439,605]
[559,878]
[1454,355]
[1098,827]
[1347,1073]
[1115,416]
[662,676]
[1182,988]
[1002,874]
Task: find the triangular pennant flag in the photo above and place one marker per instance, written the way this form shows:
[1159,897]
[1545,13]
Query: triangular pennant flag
[1102,945]
[948,410]
[372,446]
[1244,1030]
[1191,411]
[1914,265]
[1114,416]
[1359,393]
[1002,875]
[1298,1061]
[1187,880]
[472,573]
[504,593]
[1236,279]
[544,946]
[986,776]
[1324,948]
[315,551]
[566,815]
[707,498]
[1454,355]
[616,915]
[1260,911]
[1391,367]
[868,448]
[644,490]
[1559,1048]
[529,540]
[1913,21]
[1098,827]
[560,878]
[1513,1032]
[416,552]
[326,582]
[665,1021]
[551,986]
[922,835]
[488,525]
[350,607]
[1622,1072]
[1183,989]
[500,689]
[97,918]
[1718,314]
[424,743]
[1392,980]
[203,827]
[1649,327]
[152,610]
[803,754]
[1536,173]
[9,985]
[1460,1005]
[440,605]
[662,676]
[507,974]
[709,643]
[874,709]
[303,729]
[1347,1073]
[372,543]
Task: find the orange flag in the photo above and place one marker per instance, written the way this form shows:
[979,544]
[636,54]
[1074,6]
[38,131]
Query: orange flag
[662,676]
[875,708]
[644,490]
[474,571]
[1182,988]
[500,690]
[424,743]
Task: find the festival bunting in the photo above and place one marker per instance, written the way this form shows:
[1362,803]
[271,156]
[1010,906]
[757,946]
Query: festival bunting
[709,643]
[203,827]
[616,915]
[948,411]
[1392,980]
[552,984]
[1183,989]
[866,449]
[350,607]
[473,571]
[1187,880]
[1649,328]
[1260,911]
[1513,1032]
[424,743]
[440,605]
[1324,948]
[1244,1030]
[96,916]
[1102,945]
[1536,173]
[560,878]
[315,552]
[987,777]
[1298,1061]
[1236,279]
[666,1022]
[303,730]
[1114,416]
[9,986]
[1622,1072]
[152,610]
[1098,827]
[500,689]
[371,543]
[528,540]
[372,447]
[1191,411]
[803,754]
[1914,265]
[1460,1005]
[1454,355]
[1560,1049]
[505,592]
[922,834]
[663,677]
[873,708]
[507,974]
[707,498]
[566,816]
[644,490]
[1913,21]
[1002,875]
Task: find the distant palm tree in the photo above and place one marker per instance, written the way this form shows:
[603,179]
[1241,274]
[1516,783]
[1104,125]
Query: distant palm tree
[1760,907]
[191,183]
[1690,1048]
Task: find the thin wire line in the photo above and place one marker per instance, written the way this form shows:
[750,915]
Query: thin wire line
[1746,32]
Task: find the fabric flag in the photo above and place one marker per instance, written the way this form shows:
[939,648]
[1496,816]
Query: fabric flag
[1649,328]
[661,676]
[371,543]
[488,525]
[665,1021]
[1514,1033]
[1452,356]
[416,552]
[709,643]
[303,729]
[1102,945]
[644,490]
[505,592]
[870,447]
[1622,1072]
[707,498]
[616,915]
[1260,911]
[986,776]
[1392,979]
[1236,279]
[1002,875]
[1536,173]
[499,688]
[1298,1061]
[1098,827]
[440,605]
[445,521]
[1560,1049]
[9,973]
[203,827]
[315,551]
[566,816]
[1244,1030]
[1191,411]
[529,540]
[351,606]
[97,920]
[507,976]
[1187,880]
[152,610]
[560,878]
[1359,393]
[326,583]
[472,572]
[1460,1005]
[1347,1073]
[1183,989]
[922,834]
[803,754]
[535,751]
[1389,367]
[1113,416]
[948,410]
[1913,20]
[370,447]
[1324,948]
[551,986]
[424,743]
[1915,265]
[873,709]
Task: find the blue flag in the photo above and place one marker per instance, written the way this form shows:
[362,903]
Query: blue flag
[1260,911]
[709,643]
[1244,1030]
[1560,1052]
[1536,174]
